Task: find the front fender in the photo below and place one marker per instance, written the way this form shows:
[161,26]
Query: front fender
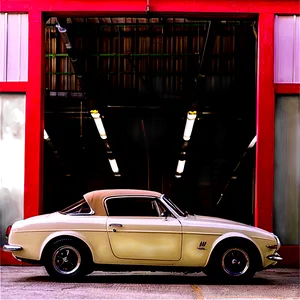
[230,235]
[64,234]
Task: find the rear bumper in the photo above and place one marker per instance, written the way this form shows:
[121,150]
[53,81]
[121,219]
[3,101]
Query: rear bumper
[11,248]
[275,257]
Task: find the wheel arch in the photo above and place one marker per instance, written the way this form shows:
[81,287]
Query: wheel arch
[234,237]
[65,234]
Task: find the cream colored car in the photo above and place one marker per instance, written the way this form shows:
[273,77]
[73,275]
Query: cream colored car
[137,229]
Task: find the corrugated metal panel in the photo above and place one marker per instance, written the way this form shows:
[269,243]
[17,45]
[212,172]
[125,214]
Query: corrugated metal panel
[13,47]
[139,54]
[287,49]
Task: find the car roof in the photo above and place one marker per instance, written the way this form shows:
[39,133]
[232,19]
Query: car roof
[96,198]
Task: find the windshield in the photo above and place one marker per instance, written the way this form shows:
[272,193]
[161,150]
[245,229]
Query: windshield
[80,207]
[173,206]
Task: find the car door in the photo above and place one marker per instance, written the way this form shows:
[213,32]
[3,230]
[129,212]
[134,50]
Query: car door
[136,229]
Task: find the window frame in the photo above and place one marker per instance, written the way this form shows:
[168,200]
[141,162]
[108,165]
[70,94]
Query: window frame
[150,198]
[78,213]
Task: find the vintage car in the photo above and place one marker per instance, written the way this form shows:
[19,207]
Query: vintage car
[137,229]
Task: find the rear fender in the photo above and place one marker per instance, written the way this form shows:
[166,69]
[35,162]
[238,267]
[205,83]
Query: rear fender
[55,235]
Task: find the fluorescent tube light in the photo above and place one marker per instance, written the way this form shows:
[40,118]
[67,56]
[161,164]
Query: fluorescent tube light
[253,142]
[46,136]
[99,124]
[95,114]
[190,120]
[100,128]
[113,165]
[180,166]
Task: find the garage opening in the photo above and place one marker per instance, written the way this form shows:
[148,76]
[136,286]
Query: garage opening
[119,91]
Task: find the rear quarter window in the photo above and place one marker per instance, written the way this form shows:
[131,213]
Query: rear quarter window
[78,208]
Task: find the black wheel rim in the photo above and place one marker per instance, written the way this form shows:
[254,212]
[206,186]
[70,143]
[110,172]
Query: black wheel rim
[66,260]
[235,262]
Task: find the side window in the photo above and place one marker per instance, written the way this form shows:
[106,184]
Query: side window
[80,207]
[132,206]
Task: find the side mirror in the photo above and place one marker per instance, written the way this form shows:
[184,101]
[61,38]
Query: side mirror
[165,214]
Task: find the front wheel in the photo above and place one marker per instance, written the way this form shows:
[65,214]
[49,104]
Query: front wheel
[234,262]
[67,258]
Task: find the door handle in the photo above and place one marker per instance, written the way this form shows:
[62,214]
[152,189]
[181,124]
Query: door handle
[116,225]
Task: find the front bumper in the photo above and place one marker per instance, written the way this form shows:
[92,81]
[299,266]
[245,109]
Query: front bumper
[275,257]
[11,248]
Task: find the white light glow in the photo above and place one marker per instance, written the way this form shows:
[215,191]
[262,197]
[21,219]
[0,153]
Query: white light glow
[113,165]
[190,120]
[253,142]
[99,124]
[100,128]
[46,136]
[178,176]
[180,166]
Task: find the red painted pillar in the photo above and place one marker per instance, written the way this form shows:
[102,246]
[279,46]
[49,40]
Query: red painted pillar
[34,116]
[264,189]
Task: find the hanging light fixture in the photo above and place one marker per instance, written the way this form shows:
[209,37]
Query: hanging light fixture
[64,35]
[46,136]
[190,120]
[180,166]
[253,142]
[98,121]
[114,166]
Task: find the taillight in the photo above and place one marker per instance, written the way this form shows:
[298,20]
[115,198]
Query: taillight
[8,230]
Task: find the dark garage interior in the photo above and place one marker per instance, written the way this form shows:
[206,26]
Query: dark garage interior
[143,74]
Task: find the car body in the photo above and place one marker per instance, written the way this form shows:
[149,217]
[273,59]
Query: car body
[139,229]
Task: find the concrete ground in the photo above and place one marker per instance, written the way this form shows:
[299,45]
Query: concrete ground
[25,282]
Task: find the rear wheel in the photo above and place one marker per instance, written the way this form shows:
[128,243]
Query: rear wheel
[67,258]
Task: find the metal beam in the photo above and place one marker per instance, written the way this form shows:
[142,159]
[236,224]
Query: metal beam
[217,9]
[234,174]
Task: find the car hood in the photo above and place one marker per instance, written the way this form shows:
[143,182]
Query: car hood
[221,226]
[214,220]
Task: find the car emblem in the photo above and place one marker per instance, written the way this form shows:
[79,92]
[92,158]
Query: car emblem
[201,245]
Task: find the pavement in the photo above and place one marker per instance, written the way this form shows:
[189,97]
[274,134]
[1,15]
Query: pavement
[27,282]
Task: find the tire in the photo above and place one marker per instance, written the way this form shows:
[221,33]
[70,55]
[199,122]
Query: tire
[234,262]
[67,258]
